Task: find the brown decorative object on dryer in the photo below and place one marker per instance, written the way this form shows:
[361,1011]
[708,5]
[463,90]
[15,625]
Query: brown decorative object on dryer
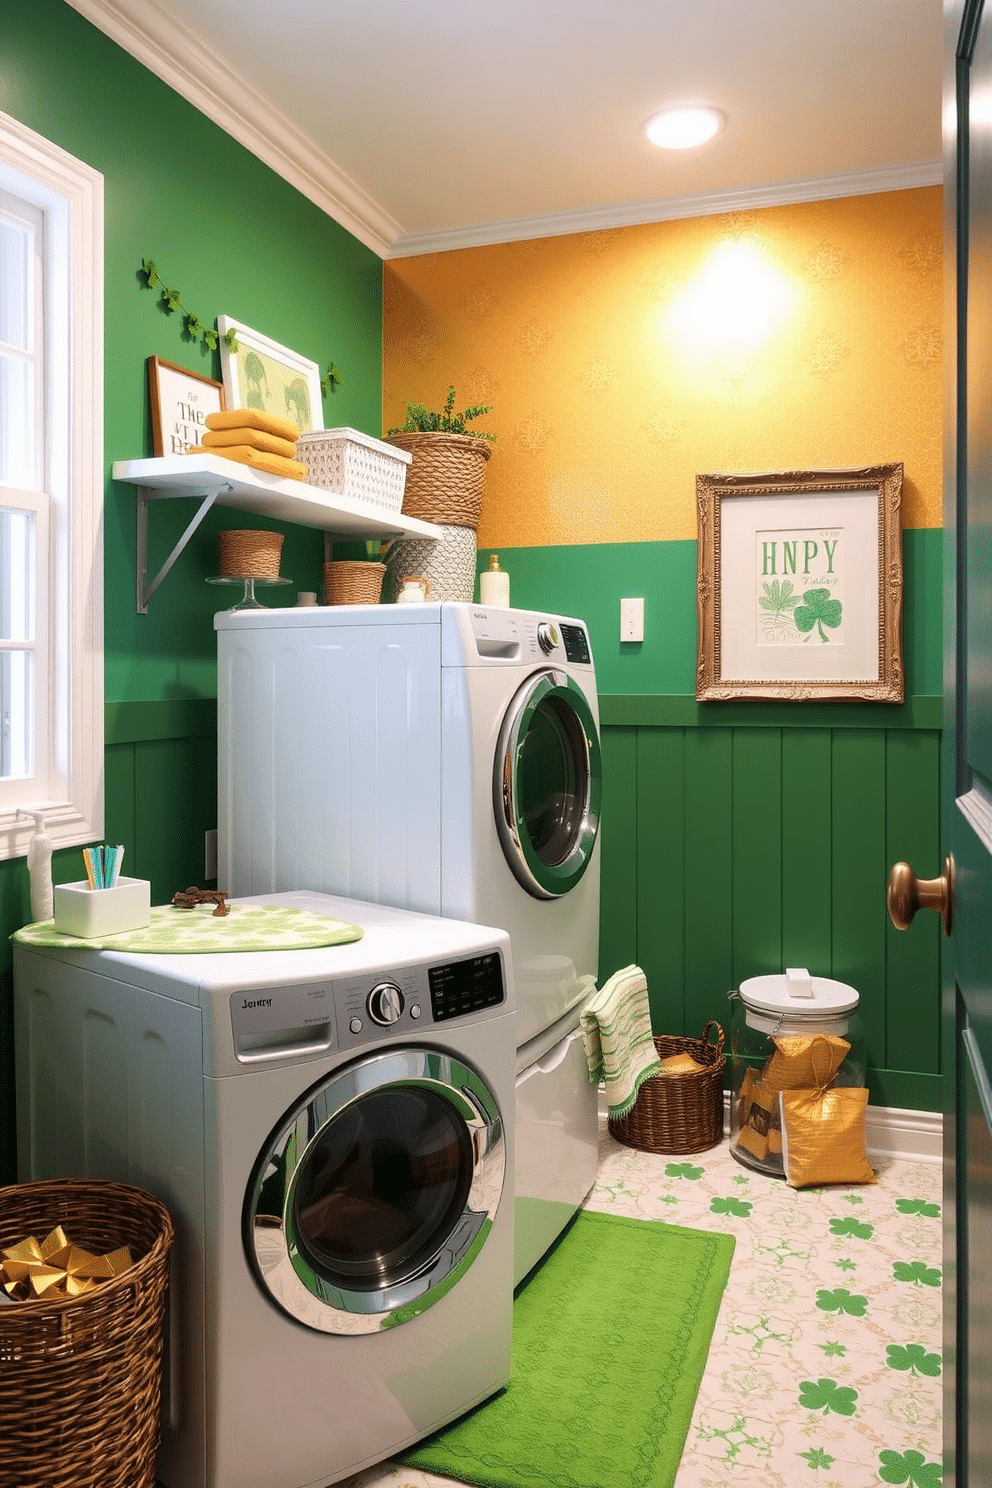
[81,1382]
[249,554]
[678,1112]
[353,581]
[191,897]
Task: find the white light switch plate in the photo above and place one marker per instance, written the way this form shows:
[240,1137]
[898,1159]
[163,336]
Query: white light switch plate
[632,620]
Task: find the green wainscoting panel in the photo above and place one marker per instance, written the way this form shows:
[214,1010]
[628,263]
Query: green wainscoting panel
[757,866]
[618,853]
[659,877]
[759,847]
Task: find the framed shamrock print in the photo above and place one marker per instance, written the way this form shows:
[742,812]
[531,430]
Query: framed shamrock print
[799,585]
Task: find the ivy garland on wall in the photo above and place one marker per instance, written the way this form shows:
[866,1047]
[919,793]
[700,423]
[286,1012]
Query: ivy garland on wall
[194,328]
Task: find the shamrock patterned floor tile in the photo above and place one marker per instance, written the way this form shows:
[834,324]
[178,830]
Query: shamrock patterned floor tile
[825,1365]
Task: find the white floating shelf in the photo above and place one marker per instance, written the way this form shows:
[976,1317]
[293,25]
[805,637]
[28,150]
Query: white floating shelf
[219,482]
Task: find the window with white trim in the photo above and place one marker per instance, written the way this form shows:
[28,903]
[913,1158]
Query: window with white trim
[51,476]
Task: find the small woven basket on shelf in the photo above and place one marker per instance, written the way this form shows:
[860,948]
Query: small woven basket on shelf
[252,554]
[353,581]
[81,1377]
[444,482]
[678,1112]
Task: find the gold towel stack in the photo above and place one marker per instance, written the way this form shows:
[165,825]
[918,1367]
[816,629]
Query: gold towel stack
[256,438]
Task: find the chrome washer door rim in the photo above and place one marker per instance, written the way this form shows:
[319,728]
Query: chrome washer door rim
[557,690]
[271,1236]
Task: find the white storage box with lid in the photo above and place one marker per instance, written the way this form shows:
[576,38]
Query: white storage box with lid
[770,1008]
[349,463]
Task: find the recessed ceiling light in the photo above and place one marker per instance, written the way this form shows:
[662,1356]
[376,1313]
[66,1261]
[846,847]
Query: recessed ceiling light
[682,128]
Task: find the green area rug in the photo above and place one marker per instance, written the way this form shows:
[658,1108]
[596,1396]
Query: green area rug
[610,1337]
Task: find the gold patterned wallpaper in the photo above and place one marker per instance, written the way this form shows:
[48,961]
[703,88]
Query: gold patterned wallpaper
[621,363]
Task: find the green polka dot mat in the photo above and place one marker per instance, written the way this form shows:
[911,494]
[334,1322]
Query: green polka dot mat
[171,931]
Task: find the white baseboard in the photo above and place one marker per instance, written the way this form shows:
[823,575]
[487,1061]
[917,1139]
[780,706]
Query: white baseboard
[889,1131]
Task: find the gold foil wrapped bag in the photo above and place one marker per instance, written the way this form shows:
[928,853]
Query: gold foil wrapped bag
[823,1136]
[804,1061]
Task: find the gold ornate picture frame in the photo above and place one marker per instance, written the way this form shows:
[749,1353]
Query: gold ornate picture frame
[799,586]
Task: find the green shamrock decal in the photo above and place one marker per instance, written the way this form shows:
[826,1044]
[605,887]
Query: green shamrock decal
[817,1457]
[740,1207]
[917,1272]
[683,1170]
[856,1228]
[842,1300]
[827,1395]
[818,609]
[913,1357]
[918,1206]
[909,1467]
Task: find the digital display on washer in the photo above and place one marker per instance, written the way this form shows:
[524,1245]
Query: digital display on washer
[576,644]
[466,986]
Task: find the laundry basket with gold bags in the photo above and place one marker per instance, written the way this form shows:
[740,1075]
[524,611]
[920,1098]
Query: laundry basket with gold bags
[680,1109]
[84,1270]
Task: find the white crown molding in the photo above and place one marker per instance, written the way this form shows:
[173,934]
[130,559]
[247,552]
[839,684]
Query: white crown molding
[180,59]
[633,214]
[173,53]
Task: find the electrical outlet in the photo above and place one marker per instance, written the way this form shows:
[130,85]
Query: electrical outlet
[632,620]
[210,856]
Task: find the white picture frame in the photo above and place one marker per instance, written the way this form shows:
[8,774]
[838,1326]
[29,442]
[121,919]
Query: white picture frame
[259,373]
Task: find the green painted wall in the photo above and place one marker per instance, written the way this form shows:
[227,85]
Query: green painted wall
[236,240]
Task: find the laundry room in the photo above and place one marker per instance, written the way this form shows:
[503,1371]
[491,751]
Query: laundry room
[736,838]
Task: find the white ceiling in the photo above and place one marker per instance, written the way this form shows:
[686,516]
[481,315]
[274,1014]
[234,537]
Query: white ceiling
[424,124]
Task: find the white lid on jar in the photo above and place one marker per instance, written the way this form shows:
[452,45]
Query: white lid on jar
[796,994]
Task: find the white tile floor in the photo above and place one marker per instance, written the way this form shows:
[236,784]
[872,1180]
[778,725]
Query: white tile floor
[825,1364]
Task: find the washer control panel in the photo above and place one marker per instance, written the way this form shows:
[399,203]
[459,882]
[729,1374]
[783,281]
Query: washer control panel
[351,1012]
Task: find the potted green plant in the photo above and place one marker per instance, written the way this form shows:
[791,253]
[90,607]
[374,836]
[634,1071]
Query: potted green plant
[444,482]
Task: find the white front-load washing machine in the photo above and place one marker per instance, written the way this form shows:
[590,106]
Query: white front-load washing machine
[331,1131]
[443,758]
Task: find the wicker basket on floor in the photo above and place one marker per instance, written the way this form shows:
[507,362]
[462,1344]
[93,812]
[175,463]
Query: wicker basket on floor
[678,1112]
[81,1377]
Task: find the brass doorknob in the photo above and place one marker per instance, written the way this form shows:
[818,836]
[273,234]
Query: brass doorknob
[907,893]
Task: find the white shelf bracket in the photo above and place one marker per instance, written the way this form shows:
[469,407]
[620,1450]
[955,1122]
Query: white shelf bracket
[146,590]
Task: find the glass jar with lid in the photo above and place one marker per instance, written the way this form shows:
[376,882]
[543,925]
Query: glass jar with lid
[789,1031]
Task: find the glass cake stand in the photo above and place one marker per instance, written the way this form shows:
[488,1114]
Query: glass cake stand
[248,600]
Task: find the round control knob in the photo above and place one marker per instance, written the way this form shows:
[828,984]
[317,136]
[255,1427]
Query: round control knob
[385,1003]
[547,637]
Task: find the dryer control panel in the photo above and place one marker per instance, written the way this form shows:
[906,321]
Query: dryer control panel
[353,1012]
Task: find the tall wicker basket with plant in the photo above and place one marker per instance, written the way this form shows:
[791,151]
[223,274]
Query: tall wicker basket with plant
[444,482]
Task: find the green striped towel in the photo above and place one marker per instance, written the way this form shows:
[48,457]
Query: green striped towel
[620,1051]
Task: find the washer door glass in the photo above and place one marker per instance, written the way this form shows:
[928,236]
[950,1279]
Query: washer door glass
[377,1191]
[547,784]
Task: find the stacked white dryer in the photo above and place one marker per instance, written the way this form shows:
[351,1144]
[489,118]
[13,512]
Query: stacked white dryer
[443,758]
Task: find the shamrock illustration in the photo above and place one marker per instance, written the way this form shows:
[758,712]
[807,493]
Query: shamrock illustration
[818,609]
[827,1395]
[917,1272]
[741,1207]
[683,1170]
[855,1228]
[918,1206]
[909,1467]
[914,1358]
[842,1300]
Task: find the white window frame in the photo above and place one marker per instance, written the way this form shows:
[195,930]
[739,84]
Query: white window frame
[70,194]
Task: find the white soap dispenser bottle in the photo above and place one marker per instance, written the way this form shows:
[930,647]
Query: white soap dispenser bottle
[40,868]
[494,584]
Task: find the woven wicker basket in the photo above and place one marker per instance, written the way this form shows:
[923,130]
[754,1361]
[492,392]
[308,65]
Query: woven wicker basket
[81,1377]
[250,554]
[353,581]
[349,463]
[444,482]
[678,1113]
